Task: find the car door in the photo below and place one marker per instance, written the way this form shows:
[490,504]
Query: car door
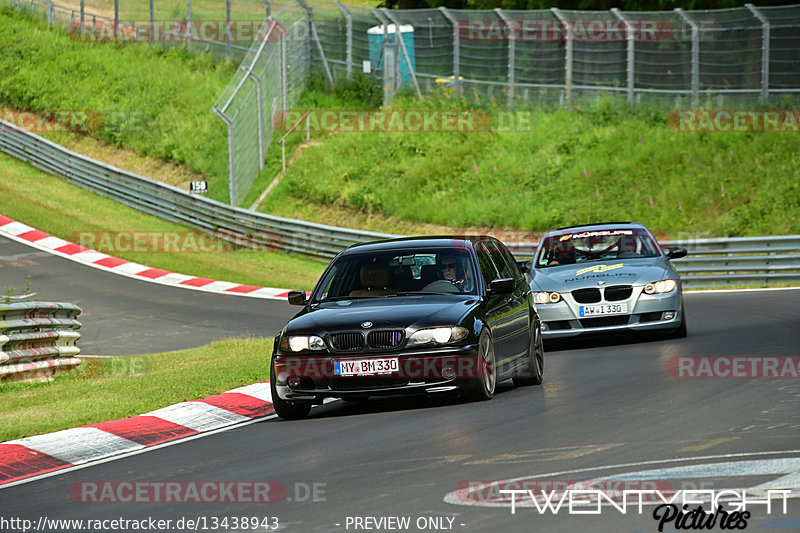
[517,322]
[499,310]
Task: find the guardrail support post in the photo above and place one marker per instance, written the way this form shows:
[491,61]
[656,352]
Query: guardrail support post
[567,58]
[695,55]
[456,52]
[765,36]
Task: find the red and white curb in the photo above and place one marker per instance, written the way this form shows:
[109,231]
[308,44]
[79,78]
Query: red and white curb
[25,234]
[34,456]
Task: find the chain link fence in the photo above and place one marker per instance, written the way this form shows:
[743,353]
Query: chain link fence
[562,55]
[221,27]
[507,57]
[271,77]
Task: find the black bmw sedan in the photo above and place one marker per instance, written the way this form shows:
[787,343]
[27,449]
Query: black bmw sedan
[414,315]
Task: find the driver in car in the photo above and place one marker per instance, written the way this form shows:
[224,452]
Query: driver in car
[453,271]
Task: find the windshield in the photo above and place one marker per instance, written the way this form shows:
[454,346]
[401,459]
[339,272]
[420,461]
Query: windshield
[398,273]
[566,248]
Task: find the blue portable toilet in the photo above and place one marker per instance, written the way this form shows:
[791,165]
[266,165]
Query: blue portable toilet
[375,36]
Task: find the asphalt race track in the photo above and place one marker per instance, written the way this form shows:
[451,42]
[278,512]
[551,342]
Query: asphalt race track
[606,410]
[127,316]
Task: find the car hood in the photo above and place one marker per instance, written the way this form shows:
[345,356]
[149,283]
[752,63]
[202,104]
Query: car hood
[398,312]
[582,275]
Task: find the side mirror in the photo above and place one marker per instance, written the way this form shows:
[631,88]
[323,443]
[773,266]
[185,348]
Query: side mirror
[676,252]
[297,297]
[524,266]
[502,286]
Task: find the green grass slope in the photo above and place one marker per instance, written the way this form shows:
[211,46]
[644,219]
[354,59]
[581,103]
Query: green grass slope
[167,94]
[600,162]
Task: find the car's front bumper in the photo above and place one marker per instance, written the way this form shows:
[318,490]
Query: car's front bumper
[421,371]
[646,312]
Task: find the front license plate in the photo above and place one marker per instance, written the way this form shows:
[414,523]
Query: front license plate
[605,309]
[366,367]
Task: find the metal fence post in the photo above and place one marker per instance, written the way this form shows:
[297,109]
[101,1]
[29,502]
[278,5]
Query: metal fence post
[695,55]
[227,27]
[312,36]
[51,15]
[403,49]
[349,36]
[386,58]
[567,58]
[512,48]
[284,80]
[231,186]
[631,50]
[189,24]
[456,52]
[309,31]
[152,21]
[765,35]
[83,14]
[260,105]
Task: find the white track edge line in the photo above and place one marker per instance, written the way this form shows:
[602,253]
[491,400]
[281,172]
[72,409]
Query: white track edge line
[137,452]
[146,449]
[141,278]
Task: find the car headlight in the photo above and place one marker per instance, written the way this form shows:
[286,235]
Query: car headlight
[546,297]
[298,343]
[660,287]
[437,335]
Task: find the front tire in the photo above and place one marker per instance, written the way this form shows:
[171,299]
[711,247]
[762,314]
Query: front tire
[486,380]
[283,408]
[535,372]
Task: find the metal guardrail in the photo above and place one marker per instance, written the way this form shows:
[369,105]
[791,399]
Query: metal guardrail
[237,225]
[739,260]
[728,261]
[555,55]
[711,262]
[36,339]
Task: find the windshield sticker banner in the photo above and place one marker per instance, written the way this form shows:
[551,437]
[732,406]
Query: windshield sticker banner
[598,268]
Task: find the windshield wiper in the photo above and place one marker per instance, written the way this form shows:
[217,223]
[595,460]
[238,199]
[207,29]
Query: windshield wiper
[414,293]
[340,298]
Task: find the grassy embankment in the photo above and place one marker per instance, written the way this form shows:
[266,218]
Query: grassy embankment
[158,101]
[105,389]
[66,211]
[594,163]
